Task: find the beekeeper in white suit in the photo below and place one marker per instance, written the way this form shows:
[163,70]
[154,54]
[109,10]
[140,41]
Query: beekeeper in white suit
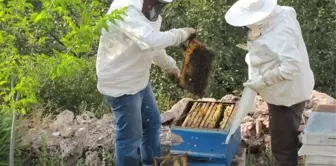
[125,54]
[279,69]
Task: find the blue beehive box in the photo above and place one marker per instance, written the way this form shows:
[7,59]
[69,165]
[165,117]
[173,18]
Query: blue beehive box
[204,145]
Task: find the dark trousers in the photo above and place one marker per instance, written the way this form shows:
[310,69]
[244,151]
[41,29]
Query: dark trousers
[284,124]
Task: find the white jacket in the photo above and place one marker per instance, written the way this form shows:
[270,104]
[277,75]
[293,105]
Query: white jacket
[281,46]
[129,47]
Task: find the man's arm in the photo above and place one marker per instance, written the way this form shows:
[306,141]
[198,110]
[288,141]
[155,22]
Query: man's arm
[142,32]
[164,61]
[286,47]
[251,71]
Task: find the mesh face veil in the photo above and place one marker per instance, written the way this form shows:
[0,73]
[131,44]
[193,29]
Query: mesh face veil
[154,13]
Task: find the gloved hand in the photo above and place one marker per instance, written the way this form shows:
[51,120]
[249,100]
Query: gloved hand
[187,33]
[174,74]
[256,84]
[270,77]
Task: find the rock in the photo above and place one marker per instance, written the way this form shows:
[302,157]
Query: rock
[319,98]
[307,112]
[92,159]
[266,123]
[165,135]
[100,133]
[71,138]
[107,119]
[63,119]
[248,119]
[309,104]
[326,108]
[246,129]
[267,139]
[256,145]
[260,106]
[86,117]
[71,150]
[229,98]
[67,132]
[176,111]
[81,132]
[258,126]
[56,134]
[66,117]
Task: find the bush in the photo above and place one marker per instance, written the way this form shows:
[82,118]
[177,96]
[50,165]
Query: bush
[5,133]
[77,92]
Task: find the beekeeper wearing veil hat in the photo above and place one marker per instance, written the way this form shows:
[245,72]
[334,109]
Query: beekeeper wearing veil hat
[125,54]
[279,69]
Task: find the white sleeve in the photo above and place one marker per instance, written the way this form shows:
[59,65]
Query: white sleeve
[286,47]
[251,71]
[165,62]
[137,28]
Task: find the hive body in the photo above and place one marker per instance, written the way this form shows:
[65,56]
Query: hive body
[319,139]
[205,144]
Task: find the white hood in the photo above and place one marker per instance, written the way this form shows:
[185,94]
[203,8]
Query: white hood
[291,11]
[116,4]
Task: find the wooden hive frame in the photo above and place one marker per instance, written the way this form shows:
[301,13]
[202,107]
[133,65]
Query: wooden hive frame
[196,69]
[195,109]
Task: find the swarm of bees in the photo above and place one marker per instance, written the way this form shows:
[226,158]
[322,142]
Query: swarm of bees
[196,68]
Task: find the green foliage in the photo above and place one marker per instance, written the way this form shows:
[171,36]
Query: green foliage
[5,129]
[39,41]
[47,159]
[46,44]
[43,26]
[76,91]
[317,19]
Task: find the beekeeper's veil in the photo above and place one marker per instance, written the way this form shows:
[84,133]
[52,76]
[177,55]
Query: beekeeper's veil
[117,4]
[151,15]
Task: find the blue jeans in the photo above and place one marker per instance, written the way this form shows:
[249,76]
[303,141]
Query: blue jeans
[137,124]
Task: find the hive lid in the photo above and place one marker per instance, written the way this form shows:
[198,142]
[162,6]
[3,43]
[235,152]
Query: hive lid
[320,129]
[321,122]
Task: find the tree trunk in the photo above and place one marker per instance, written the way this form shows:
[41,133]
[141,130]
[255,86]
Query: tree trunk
[12,141]
[12,138]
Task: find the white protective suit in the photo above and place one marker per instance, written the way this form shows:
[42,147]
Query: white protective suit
[281,47]
[127,50]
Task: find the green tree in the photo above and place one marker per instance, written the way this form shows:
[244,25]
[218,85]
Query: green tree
[41,41]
